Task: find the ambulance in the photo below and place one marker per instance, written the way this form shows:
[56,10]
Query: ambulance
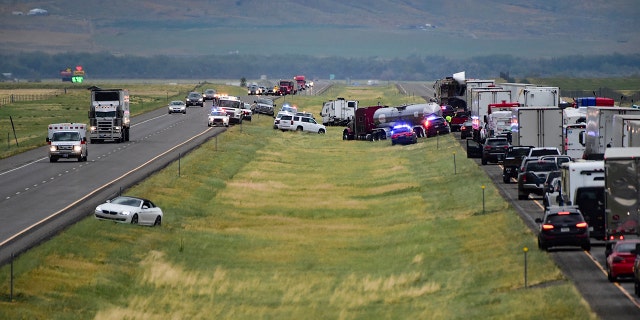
[67,140]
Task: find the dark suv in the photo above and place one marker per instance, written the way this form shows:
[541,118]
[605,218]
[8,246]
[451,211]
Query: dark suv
[494,149]
[436,125]
[532,176]
[563,226]
[194,99]
[512,160]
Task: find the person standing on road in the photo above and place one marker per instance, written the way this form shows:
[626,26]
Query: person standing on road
[448,118]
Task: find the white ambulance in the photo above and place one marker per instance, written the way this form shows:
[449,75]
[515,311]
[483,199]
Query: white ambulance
[67,140]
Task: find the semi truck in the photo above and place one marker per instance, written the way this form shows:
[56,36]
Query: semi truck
[301,82]
[338,112]
[622,130]
[375,122]
[599,132]
[634,134]
[537,127]
[481,98]
[622,199]
[287,87]
[499,118]
[582,185]
[109,115]
[66,141]
[539,97]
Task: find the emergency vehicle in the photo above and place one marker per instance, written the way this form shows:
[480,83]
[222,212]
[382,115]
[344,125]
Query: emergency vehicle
[67,140]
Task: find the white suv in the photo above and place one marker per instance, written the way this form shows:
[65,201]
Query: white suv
[300,123]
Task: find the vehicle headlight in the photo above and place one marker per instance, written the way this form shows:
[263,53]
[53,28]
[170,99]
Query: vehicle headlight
[53,148]
[77,148]
[92,128]
[98,208]
[117,128]
[125,213]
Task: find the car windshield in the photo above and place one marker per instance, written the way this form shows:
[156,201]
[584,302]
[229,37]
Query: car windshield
[518,152]
[127,201]
[66,136]
[176,103]
[497,142]
[210,91]
[265,101]
[229,104]
[542,166]
[544,152]
[571,218]
[626,247]
[218,113]
[105,114]
[401,129]
[194,95]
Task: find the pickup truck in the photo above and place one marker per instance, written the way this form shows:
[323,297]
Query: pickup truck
[512,160]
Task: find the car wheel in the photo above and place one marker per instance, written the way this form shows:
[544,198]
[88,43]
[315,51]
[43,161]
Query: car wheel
[586,247]
[53,159]
[610,277]
[506,179]
[134,219]
[321,131]
[636,287]
[522,196]
[541,246]
[158,221]
[484,161]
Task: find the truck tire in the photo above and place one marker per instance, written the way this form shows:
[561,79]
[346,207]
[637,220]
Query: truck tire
[299,128]
[506,179]
[484,161]
[53,159]
[523,196]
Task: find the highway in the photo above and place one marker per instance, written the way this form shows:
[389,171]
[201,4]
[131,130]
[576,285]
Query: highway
[37,197]
[585,269]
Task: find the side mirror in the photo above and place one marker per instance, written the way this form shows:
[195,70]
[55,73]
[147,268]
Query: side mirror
[581,138]
[48,140]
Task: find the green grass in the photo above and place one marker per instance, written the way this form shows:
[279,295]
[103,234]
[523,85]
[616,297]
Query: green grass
[271,224]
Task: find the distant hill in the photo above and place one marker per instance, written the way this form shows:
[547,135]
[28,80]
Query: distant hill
[382,28]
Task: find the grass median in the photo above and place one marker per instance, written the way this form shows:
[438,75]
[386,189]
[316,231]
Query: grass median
[268,224]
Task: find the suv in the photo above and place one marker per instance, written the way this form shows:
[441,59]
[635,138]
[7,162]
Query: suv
[253,89]
[563,226]
[494,149]
[209,94]
[264,106]
[436,125]
[300,123]
[532,176]
[512,160]
[543,151]
[194,99]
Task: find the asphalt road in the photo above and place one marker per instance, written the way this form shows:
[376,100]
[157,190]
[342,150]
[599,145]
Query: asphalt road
[37,197]
[585,269]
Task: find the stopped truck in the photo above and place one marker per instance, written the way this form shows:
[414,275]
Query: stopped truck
[301,81]
[338,112]
[599,132]
[622,196]
[622,130]
[109,115]
[287,87]
[537,127]
[582,185]
[481,98]
[375,122]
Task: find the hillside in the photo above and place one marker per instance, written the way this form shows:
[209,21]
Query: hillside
[385,28]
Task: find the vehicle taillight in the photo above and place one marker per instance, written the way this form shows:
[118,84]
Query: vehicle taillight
[487,147]
[581,225]
[547,227]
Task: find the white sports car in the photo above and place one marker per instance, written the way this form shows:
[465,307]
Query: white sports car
[132,210]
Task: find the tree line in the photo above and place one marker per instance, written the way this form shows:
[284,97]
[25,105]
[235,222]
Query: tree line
[104,65]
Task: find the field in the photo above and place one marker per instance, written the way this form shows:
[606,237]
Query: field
[273,224]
